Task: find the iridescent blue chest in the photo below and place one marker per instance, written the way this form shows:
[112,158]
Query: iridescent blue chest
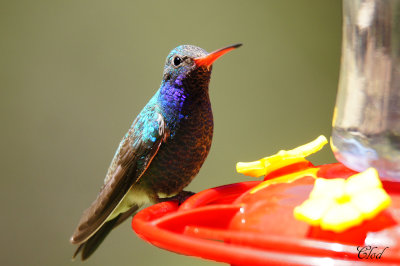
[189,121]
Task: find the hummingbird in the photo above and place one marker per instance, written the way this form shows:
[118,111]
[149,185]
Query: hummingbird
[162,151]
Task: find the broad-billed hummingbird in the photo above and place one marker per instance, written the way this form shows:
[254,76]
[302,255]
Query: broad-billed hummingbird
[162,151]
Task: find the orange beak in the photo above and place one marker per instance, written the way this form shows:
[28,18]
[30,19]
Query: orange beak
[209,59]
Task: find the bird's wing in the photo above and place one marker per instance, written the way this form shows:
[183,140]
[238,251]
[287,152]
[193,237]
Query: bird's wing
[131,160]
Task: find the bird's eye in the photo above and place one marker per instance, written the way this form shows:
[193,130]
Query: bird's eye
[177,61]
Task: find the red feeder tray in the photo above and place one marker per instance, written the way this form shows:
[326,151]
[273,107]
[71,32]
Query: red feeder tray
[231,225]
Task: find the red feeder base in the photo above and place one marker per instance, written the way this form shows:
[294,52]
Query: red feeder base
[228,224]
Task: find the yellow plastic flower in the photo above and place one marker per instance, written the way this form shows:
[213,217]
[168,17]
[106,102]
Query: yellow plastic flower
[339,204]
[289,178]
[283,158]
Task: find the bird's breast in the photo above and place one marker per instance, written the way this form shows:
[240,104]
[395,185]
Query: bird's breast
[179,159]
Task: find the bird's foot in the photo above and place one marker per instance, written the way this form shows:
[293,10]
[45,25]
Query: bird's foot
[180,197]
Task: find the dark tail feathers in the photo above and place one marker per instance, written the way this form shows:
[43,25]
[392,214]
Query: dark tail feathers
[89,247]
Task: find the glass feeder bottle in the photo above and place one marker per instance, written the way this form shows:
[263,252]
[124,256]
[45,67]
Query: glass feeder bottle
[366,121]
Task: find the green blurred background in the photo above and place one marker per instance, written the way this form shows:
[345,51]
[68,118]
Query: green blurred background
[74,74]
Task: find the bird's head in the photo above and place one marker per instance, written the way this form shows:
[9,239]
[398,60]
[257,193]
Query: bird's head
[191,65]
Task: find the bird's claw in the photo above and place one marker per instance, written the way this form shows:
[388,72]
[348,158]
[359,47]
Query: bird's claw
[181,197]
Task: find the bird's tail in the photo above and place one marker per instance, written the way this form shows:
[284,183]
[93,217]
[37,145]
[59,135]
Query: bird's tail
[89,247]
